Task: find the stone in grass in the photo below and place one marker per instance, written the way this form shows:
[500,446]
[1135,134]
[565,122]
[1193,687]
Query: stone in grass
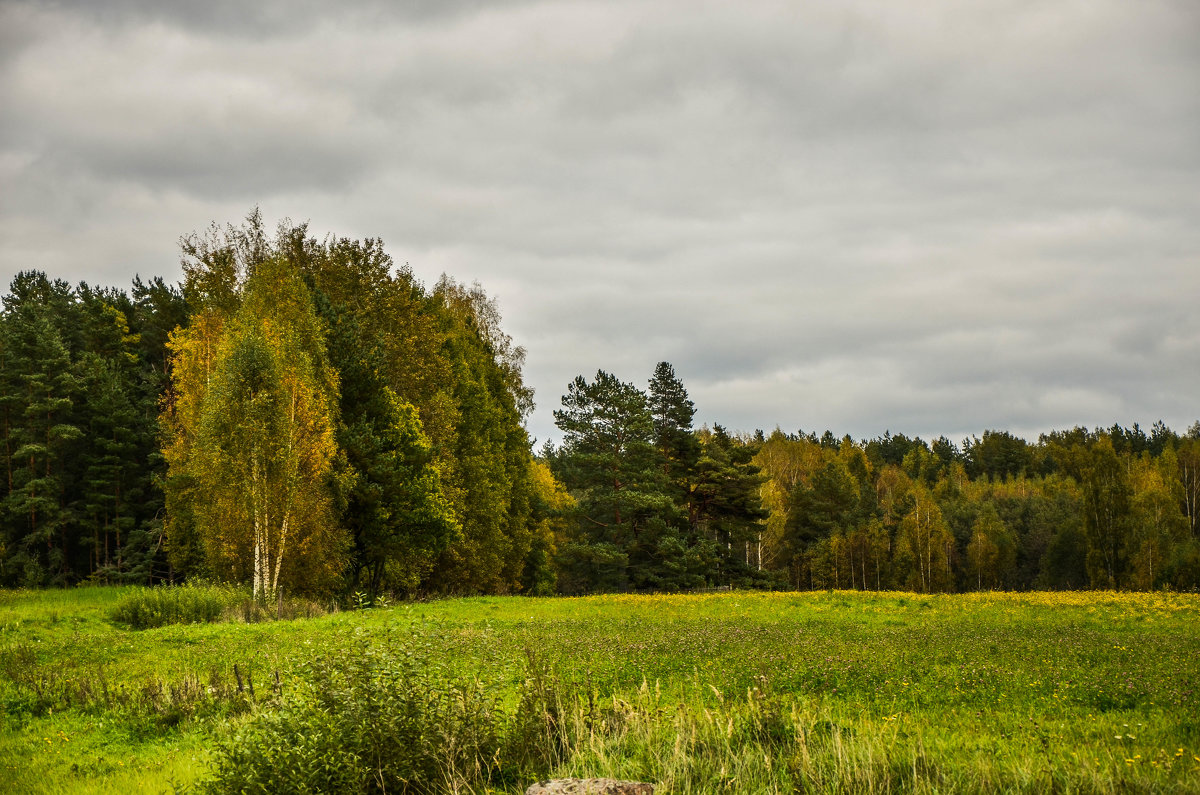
[590,786]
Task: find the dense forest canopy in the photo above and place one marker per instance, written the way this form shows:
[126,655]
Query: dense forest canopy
[304,415]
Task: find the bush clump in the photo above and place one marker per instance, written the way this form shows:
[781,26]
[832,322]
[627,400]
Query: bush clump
[199,603]
[386,717]
[146,608]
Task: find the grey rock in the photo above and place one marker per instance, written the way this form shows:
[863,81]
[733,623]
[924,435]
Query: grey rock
[590,786]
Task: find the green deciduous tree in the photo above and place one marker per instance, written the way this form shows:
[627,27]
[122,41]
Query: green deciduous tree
[486,473]
[1106,493]
[1157,524]
[992,550]
[395,509]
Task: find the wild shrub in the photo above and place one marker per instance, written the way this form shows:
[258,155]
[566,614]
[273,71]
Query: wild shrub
[198,603]
[385,717]
[146,608]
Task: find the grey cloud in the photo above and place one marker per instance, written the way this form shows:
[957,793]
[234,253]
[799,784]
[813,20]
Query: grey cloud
[928,217]
[241,20]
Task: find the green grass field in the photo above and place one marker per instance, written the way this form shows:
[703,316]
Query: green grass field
[737,692]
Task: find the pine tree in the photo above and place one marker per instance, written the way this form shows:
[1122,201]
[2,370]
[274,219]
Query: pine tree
[671,412]
[40,525]
[110,466]
[609,463]
[725,505]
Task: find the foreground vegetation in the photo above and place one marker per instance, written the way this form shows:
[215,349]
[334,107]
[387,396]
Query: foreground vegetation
[750,692]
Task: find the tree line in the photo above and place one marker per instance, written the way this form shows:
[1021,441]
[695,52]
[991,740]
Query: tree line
[303,415]
[297,415]
[82,370]
[1103,508]
[662,506]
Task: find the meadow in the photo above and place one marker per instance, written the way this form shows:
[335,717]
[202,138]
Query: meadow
[732,692]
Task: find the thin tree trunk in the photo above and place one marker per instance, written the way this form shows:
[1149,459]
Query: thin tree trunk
[256,508]
[283,531]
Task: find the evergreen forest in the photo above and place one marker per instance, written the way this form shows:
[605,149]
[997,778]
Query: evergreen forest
[304,416]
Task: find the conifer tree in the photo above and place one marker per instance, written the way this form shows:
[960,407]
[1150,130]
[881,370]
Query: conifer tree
[109,488]
[609,463]
[671,413]
[725,504]
[39,544]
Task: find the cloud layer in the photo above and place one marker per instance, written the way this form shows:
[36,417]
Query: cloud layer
[934,218]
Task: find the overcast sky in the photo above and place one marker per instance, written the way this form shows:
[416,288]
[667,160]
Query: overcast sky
[929,217]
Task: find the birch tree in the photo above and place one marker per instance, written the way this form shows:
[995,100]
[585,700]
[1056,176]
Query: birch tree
[259,460]
[925,545]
